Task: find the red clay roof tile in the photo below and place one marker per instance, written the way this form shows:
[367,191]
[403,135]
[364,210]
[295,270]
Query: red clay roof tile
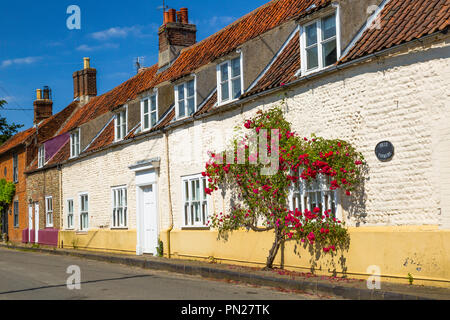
[402,21]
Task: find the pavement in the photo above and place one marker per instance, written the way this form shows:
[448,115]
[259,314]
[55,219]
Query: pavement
[307,285]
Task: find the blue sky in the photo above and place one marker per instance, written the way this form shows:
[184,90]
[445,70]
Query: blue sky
[37,48]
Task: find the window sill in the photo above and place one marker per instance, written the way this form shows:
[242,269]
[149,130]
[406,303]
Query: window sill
[224,103]
[304,73]
[196,228]
[119,228]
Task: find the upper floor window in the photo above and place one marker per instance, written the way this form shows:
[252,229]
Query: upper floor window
[185,99]
[320,44]
[15,168]
[195,201]
[49,211]
[75,144]
[229,80]
[149,112]
[41,157]
[121,124]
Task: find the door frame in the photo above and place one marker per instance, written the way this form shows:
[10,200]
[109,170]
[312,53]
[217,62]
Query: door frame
[141,168]
[140,216]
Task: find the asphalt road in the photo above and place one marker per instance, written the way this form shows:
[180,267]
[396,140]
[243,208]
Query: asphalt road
[36,276]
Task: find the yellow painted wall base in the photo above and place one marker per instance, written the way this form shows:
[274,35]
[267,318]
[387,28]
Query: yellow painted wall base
[112,241]
[423,251]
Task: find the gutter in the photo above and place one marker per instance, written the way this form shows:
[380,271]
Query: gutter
[166,135]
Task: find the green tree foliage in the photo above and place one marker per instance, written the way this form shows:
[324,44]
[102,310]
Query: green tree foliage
[7,130]
[7,191]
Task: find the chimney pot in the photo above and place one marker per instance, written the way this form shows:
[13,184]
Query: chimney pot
[184,15]
[172,15]
[166,17]
[38,94]
[87,63]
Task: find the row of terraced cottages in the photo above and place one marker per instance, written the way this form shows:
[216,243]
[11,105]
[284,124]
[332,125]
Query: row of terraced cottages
[121,172]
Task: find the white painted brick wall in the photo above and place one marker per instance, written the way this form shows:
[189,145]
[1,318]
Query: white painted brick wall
[403,99]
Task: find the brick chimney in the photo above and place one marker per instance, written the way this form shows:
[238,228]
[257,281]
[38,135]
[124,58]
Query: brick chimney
[85,82]
[43,105]
[175,34]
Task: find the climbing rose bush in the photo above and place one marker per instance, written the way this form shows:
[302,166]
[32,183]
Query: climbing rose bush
[263,199]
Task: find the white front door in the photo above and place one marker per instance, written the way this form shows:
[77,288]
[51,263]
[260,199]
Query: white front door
[149,220]
[36,223]
[30,222]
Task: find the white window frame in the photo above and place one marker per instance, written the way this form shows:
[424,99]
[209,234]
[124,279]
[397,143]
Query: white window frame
[49,212]
[81,212]
[186,98]
[119,132]
[189,203]
[115,204]
[230,80]
[150,112]
[320,42]
[301,193]
[70,226]
[75,146]
[41,156]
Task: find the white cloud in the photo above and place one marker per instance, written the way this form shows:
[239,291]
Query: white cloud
[19,61]
[87,48]
[125,32]
[116,32]
[217,21]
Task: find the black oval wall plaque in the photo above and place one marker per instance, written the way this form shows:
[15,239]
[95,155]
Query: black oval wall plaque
[384,151]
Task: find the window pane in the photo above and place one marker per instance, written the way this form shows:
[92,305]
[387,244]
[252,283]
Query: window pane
[197,190]
[204,188]
[181,111]
[311,34]
[330,53]
[224,72]
[225,91]
[181,92]
[312,58]
[236,87]
[193,190]
[191,106]
[153,103]
[186,189]
[146,121]
[329,27]
[186,214]
[190,88]
[236,67]
[153,118]
[145,106]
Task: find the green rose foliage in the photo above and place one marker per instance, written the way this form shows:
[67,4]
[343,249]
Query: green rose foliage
[263,199]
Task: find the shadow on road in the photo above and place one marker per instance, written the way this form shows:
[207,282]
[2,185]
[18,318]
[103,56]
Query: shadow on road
[85,282]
